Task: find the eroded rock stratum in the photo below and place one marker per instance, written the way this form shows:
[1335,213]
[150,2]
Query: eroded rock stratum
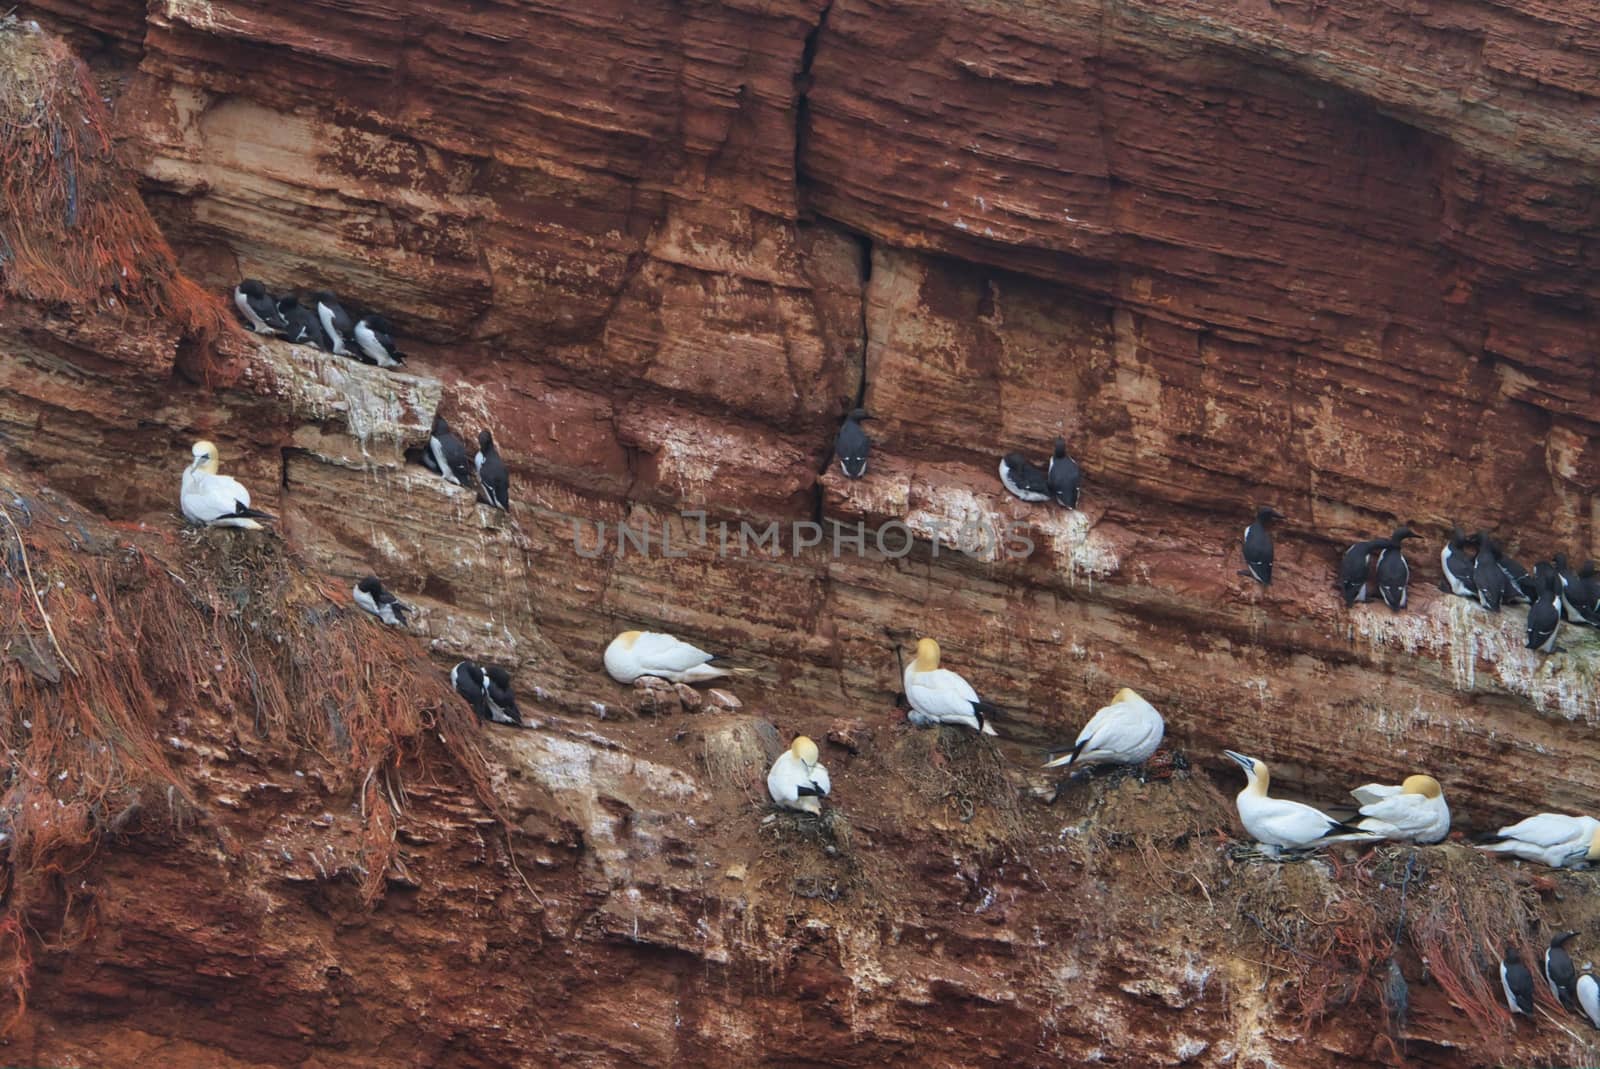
[1338,262]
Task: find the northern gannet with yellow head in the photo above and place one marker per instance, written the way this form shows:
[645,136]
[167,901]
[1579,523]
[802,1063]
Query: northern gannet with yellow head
[798,780]
[650,653]
[214,500]
[939,696]
[1553,839]
[1126,732]
[1278,823]
[1414,812]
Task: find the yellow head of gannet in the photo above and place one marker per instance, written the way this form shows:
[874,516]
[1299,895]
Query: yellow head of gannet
[927,655]
[205,458]
[1125,694]
[1257,775]
[804,750]
[1426,786]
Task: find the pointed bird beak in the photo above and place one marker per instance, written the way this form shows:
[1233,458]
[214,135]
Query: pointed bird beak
[1058,761]
[1243,761]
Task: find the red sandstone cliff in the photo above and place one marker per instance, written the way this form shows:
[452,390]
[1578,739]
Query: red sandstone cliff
[1340,262]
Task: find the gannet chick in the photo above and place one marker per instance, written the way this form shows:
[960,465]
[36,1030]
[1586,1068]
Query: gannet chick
[1553,839]
[1414,812]
[214,500]
[1558,970]
[939,696]
[1126,732]
[372,596]
[797,780]
[1517,982]
[1589,997]
[1277,823]
[650,653]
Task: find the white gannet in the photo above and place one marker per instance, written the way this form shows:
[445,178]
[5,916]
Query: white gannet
[1414,812]
[215,500]
[650,653]
[797,780]
[1126,732]
[939,696]
[1278,823]
[1517,981]
[1553,839]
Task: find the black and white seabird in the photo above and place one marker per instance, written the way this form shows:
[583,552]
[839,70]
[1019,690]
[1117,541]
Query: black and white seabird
[797,779]
[1258,546]
[1126,732]
[1517,981]
[493,481]
[1589,997]
[1555,839]
[300,324]
[1355,570]
[260,311]
[1393,572]
[1279,823]
[375,342]
[1544,619]
[852,445]
[502,699]
[653,653]
[1522,588]
[1491,580]
[1558,970]
[939,696]
[214,500]
[1579,593]
[467,678]
[335,322]
[1457,564]
[1064,477]
[446,455]
[371,596]
[1023,479]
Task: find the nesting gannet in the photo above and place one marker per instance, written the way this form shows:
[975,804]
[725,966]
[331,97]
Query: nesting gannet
[1258,546]
[1414,812]
[852,445]
[1517,982]
[650,653]
[1126,732]
[939,696]
[1457,564]
[798,780]
[1023,479]
[215,500]
[1064,477]
[1558,970]
[1553,839]
[371,596]
[1589,997]
[1278,823]
[260,311]
[335,322]
[375,340]
[446,455]
[494,483]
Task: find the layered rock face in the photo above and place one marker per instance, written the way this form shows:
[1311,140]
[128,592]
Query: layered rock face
[1340,263]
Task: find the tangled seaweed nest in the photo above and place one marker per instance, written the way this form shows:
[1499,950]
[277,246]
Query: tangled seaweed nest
[106,649]
[815,852]
[966,774]
[72,227]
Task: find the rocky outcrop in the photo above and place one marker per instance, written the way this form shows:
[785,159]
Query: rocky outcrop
[1334,263]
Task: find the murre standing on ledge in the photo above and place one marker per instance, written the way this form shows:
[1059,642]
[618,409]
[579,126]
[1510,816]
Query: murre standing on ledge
[852,445]
[1544,619]
[335,322]
[1558,970]
[1517,982]
[1579,593]
[446,455]
[1279,824]
[371,596]
[1394,574]
[1554,839]
[375,339]
[1258,546]
[1521,588]
[300,324]
[1023,479]
[650,653]
[493,481]
[1355,570]
[1126,732]
[467,678]
[214,500]
[798,780]
[260,311]
[1488,577]
[1063,477]
[939,696]
[498,693]
[1414,812]
[1457,564]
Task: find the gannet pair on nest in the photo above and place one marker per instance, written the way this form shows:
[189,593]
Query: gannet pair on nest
[1415,811]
